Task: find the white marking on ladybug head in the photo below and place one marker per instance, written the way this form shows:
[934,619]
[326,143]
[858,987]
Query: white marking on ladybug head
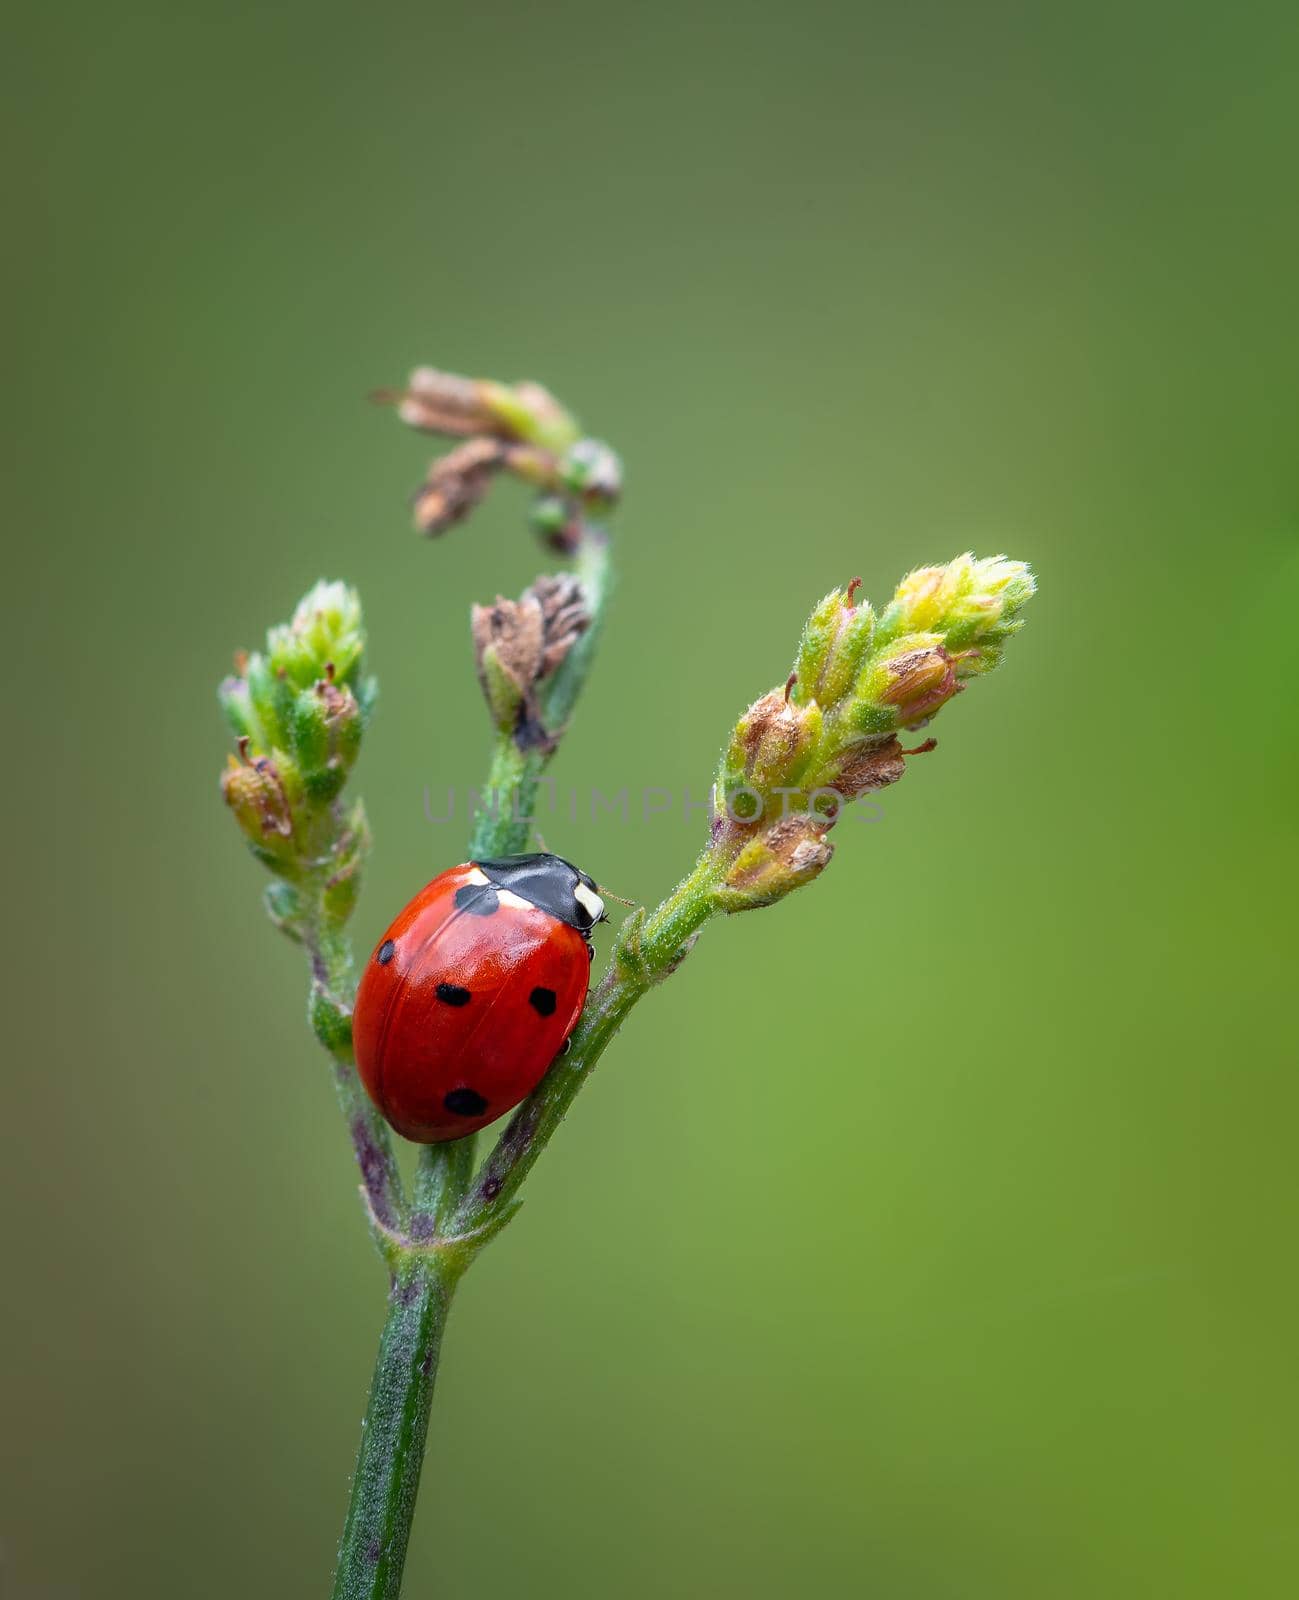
[589,901]
[477,876]
[509,898]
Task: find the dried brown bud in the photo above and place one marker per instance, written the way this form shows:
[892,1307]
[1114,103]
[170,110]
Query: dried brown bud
[520,643]
[442,402]
[563,617]
[784,856]
[771,743]
[456,483]
[863,768]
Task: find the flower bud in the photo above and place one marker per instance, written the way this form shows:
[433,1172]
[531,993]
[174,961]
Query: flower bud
[255,791]
[237,703]
[325,736]
[782,857]
[771,745]
[866,766]
[916,681]
[837,636]
[455,484]
[593,473]
[971,603]
[443,402]
[518,644]
[325,630]
[558,522]
[528,412]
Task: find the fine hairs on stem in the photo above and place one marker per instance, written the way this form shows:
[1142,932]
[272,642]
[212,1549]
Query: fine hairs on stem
[299,709]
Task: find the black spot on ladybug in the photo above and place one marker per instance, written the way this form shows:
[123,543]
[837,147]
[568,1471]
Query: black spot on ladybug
[465,1103]
[542,1002]
[479,899]
[385,952]
[451,994]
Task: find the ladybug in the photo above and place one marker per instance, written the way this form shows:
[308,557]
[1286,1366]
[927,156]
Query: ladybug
[473,992]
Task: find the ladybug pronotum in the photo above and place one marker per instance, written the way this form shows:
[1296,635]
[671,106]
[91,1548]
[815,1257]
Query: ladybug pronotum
[473,992]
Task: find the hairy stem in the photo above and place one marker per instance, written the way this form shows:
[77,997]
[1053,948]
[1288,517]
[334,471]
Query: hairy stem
[372,1553]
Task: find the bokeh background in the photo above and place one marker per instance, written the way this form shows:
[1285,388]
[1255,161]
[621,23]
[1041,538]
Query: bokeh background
[930,1237]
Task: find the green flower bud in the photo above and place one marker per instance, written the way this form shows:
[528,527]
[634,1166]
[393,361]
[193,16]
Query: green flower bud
[271,697]
[330,1019]
[237,703]
[557,521]
[325,736]
[325,630]
[837,636]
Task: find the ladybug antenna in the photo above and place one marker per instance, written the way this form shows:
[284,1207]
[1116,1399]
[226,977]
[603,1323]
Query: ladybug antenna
[545,849]
[608,894]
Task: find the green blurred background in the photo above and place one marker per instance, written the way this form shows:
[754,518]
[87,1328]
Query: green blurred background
[928,1238]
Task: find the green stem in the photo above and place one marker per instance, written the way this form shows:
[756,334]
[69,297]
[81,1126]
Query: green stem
[372,1554]
[432,1252]
[333,989]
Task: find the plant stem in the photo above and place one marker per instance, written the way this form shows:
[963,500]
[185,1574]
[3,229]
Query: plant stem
[434,1251]
[372,1553]
[333,989]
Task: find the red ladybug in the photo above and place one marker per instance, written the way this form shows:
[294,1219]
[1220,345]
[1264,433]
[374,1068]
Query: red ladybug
[473,991]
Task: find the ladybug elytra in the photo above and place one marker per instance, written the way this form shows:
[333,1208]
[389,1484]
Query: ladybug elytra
[473,991]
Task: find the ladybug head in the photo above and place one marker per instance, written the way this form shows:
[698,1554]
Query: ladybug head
[550,883]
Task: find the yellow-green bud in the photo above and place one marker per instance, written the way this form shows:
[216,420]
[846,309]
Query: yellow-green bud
[972,604]
[835,639]
[255,791]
